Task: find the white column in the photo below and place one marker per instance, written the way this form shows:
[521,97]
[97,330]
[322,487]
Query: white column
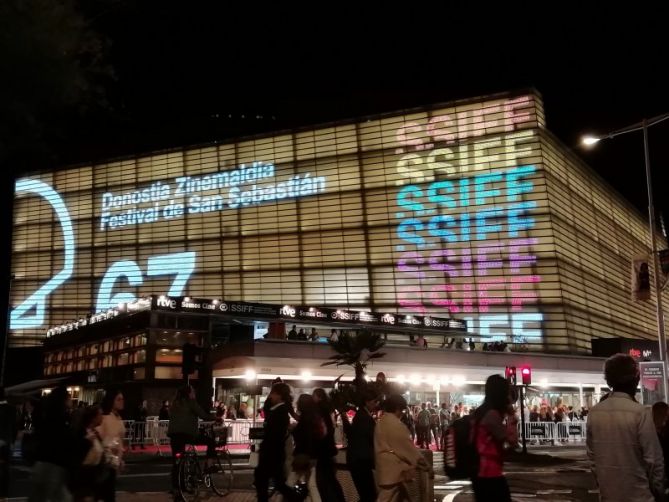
[580,395]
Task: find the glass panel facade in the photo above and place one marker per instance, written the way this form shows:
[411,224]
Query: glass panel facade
[469,209]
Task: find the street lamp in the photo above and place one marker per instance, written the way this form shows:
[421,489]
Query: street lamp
[643,126]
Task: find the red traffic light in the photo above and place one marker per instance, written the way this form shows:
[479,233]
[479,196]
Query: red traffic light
[510,374]
[526,374]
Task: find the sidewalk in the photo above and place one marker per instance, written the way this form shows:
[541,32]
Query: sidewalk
[236,496]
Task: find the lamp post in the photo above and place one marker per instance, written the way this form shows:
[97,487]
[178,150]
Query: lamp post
[643,126]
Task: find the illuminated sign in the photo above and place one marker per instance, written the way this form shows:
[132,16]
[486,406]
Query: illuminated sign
[477,210]
[427,217]
[160,198]
[264,311]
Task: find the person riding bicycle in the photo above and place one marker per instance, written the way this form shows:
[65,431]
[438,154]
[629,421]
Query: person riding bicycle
[183,428]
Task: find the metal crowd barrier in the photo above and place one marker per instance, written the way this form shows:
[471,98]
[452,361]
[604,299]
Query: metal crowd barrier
[554,433]
[154,432]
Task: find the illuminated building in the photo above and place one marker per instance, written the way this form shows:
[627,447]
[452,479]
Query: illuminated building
[471,210]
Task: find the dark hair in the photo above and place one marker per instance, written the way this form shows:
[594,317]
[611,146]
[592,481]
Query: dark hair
[89,414]
[368,394]
[394,403]
[107,403]
[496,396]
[183,393]
[621,373]
[284,391]
[660,410]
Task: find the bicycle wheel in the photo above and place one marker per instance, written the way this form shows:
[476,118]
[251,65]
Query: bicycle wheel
[221,474]
[190,478]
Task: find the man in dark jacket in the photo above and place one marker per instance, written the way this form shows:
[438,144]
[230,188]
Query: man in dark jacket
[55,455]
[272,451]
[7,436]
[360,449]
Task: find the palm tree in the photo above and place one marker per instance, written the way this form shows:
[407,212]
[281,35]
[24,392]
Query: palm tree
[356,350]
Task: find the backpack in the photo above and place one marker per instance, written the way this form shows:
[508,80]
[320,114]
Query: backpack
[424,418]
[461,457]
[434,420]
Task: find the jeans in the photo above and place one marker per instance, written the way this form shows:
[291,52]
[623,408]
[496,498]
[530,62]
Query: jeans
[271,467]
[49,483]
[107,489]
[5,458]
[363,479]
[491,489]
[326,480]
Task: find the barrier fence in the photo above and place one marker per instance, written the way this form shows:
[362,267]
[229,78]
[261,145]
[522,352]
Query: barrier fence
[154,432]
[554,433]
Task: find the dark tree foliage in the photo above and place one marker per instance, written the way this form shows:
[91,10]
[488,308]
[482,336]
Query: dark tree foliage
[53,73]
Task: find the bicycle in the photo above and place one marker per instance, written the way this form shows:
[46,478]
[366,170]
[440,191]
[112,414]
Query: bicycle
[193,477]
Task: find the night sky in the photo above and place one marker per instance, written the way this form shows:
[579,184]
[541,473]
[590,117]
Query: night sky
[188,75]
[197,72]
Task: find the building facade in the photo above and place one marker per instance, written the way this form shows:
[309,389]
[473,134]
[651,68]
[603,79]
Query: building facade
[470,210]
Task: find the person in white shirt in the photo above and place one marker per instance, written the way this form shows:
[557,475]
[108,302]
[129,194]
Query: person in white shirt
[396,457]
[621,439]
[112,432]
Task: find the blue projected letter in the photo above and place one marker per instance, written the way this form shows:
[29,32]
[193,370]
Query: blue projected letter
[483,228]
[441,199]
[37,301]
[404,232]
[517,224]
[513,188]
[481,192]
[119,269]
[437,224]
[407,193]
[181,264]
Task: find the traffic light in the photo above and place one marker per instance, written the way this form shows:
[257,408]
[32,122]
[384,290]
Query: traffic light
[526,375]
[189,361]
[510,374]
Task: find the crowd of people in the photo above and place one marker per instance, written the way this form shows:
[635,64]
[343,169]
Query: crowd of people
[75,451]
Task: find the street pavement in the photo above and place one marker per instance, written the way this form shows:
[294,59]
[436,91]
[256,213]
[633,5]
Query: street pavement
[551,474]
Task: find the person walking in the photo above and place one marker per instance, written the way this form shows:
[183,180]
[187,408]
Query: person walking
[308,437]
[183,428]
[360,447]
[7,437]
[53,457]
[272,451]
[621,439]
[91,468]
[445,421]
[489,434]
[164,412]
[396,457]
[112,432]
[423,427]
[326,474]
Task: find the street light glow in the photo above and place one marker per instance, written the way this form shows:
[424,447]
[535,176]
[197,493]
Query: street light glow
[590,140]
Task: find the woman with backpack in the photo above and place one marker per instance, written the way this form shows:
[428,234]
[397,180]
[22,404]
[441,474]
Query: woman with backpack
[494,425]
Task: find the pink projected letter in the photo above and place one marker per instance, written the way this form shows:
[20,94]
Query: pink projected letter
[511,116]
[441,128]
[404,131]
[411,297]
[484,300]
[482,263]
[519,260]
[446,303]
